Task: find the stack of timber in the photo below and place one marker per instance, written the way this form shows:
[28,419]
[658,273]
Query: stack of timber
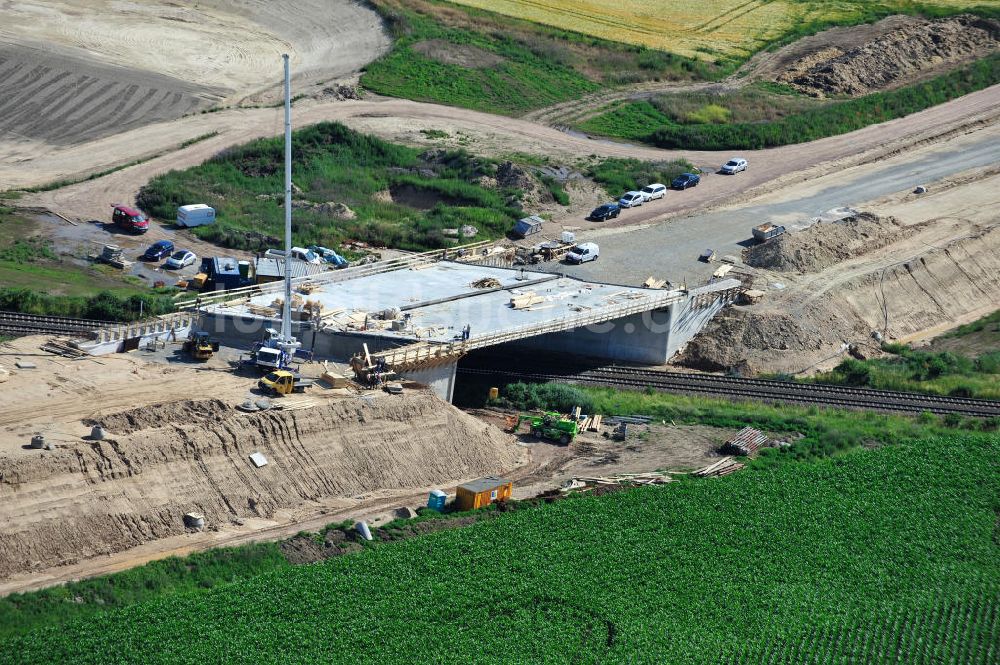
[113,256]
[525,300]
[649,478]
[723,467]
[64,349]
[746,442]
[653,283]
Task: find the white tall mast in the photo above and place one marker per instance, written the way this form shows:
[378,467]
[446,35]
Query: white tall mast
[286,341]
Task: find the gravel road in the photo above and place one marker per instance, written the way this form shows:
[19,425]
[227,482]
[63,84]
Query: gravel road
[727,231]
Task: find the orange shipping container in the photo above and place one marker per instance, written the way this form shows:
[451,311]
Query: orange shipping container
[483,492]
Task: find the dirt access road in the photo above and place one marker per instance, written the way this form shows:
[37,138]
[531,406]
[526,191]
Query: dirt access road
[402,120]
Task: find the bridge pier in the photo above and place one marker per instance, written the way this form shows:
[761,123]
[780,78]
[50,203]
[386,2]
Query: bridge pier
[439,377]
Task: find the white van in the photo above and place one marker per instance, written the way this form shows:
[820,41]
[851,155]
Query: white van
[197,214]
[654,191]
[585,251]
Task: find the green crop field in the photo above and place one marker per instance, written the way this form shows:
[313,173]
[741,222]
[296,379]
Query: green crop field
[397,197]
[873,556]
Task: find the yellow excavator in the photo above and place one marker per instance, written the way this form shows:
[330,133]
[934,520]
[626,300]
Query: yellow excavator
[200,345]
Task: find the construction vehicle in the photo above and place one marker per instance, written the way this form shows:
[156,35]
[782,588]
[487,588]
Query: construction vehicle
[200,345]
[551,426]
[283,382]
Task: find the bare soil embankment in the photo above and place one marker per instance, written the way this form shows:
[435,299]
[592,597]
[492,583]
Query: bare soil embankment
[897,280]
[893,52]
[157,463]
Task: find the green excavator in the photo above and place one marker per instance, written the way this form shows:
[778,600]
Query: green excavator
[550,426]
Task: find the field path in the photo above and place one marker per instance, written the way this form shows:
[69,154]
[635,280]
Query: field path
[402,120]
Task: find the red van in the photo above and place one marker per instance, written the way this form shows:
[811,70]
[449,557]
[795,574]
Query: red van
[129,219]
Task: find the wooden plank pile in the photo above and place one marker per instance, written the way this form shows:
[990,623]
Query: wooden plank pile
[486,283]
[64,349]
[648,478]
[653,283]
[525,300]
[723,467]
[746,442]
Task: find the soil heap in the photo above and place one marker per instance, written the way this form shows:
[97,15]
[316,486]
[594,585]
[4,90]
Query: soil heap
[823,245]
[894,58]
[160,462]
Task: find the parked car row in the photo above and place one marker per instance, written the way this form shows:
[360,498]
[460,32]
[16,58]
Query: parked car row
[177,259]
[635,198]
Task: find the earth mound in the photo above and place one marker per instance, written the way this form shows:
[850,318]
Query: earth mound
[825,244]
[915,49]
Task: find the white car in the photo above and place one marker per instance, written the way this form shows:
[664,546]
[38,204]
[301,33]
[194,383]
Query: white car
[654,191]
[631,199]
[734,165]
[586,251]
[180,259]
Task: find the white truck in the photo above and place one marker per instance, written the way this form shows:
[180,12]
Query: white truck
[197,214]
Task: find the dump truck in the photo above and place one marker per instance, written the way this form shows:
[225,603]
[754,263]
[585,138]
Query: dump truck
[550,426]
[283,382]
[200,345]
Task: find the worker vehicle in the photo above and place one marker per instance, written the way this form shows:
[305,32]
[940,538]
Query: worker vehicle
[550,426]
[158,250]
[283,382]
[605,212]
[734,165]
[654,191]
[180,259]
[197,214]
[200,345]
[585,251]
[128,219]
[685,180]
[631,199]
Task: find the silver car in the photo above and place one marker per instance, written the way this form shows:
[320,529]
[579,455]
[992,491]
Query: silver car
[180,259]
[734,165]
[631,199]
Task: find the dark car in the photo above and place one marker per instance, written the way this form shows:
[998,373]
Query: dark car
[158,250]
[685,180]
[605,212]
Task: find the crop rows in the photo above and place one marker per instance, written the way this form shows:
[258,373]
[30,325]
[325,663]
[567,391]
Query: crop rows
[885,555]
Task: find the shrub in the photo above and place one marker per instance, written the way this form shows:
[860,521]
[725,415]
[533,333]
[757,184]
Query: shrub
[709,114]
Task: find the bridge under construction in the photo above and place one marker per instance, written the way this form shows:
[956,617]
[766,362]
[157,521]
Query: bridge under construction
[420,315]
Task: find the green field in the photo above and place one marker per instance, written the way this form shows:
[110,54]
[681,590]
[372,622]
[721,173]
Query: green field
[401,197]
[489,62]
[887,555]
[770,117]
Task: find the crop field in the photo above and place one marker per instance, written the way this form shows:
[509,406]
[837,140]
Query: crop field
[706,29]
[886,555]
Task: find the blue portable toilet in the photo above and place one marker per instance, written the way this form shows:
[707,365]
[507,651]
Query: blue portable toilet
[436,500]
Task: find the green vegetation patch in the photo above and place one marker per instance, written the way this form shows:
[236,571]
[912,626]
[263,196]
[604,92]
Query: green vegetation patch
[397,196]
[758,117]
[619,175]
[939,373]
[34,279]
[886,555]
[489,62]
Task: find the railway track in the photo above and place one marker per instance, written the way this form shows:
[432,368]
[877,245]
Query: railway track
[759,389]
[17,324]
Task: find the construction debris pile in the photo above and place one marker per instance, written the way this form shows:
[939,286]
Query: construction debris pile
[723,467]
